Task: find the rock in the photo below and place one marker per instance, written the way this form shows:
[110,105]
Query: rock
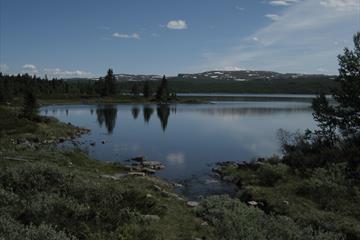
[177,185]
[192,204]
[151,217]
[115,176]
[286,202]
[252,203]
[148,170]
[153,164]
[204,224]
[139,159]
[157,188]
[102,142]
[93,144]
[148,195]
[139,174]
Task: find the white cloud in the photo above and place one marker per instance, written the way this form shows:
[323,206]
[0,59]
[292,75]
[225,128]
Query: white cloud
[341,4]
[273,17]
[58,73]
[126,36]
[299,41]
[4,67]
[176,158]
[282,2]
[232,68]
[322,70]
[177,25]
[239,8]
[30,69]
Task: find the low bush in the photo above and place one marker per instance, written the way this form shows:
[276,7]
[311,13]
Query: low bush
[235,220]
[269,174]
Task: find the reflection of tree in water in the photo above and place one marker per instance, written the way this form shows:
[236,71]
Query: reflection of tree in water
[148,111]
[163,112]
[108,115]
[92,111]
[135,112]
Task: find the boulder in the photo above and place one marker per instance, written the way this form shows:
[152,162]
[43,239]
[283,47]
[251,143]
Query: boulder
[192,204]
[252,203]
[139,174]
[139,159]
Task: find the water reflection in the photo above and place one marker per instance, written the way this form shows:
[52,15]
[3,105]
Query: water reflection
[249,111]
[147,111]
[163,112]
[135,112]
[107,114]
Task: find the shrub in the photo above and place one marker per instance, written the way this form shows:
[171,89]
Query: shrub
[232,219]
[269,174]
[12,230]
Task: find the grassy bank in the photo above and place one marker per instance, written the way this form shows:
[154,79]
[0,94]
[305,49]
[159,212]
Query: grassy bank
[323,197]
[47,193]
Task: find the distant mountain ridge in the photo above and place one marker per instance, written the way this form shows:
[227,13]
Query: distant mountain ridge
[242,75]
[244,81]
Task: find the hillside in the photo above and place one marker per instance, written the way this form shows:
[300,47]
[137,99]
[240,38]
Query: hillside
[242,82]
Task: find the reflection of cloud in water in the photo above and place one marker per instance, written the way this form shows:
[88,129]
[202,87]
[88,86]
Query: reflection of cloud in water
[249,111]
[176,158]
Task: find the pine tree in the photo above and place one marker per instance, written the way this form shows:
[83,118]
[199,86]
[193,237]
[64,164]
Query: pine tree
[110,83]
[345,114]
[30,107]
[162,93]
[135,90]
[147,90]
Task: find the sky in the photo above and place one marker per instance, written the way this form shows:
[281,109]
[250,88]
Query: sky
[83,38]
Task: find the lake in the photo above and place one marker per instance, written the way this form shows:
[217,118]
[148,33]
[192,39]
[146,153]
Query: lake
[189,139]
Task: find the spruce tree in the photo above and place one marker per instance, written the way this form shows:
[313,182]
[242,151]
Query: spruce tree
[110,83]
[345,114]
[146,90]
[162,93]
[135,90]
[30,107]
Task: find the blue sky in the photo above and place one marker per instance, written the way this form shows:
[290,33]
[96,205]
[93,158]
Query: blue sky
[83,38]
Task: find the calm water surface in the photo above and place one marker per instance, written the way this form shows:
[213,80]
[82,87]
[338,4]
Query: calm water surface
[187,139]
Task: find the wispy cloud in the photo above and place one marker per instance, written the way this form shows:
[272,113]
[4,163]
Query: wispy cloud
[341,4]
[127,36]
[177,25]
[301,40]
[30,69]
[283,2]
[58,73]
[239,8]
[4,67]
[273,17]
